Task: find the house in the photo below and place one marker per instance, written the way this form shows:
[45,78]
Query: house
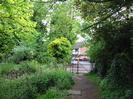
[79,51]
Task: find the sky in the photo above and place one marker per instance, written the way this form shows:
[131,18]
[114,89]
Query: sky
[80,38]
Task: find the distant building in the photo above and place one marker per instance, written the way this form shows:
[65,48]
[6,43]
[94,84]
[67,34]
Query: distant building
[80,50]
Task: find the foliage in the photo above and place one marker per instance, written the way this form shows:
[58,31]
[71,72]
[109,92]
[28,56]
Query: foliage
[40,11]
[13,71]
[119,71]
[53,93]
[6,44]
[21,53]
[107,91]
[53,21]
[28,86]
[63,23]
[117,52]
[15,24]
[15,19]
[95,50]
[24,37]
[41,53]
[110,29]
[17,89]
[94,78]
[115,39]
[60,49]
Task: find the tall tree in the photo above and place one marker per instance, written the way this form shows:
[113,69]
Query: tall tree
[15,24]
[63,23]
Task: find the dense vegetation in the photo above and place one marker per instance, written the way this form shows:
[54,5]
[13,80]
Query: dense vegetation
[29,80]
[110,24]
[36,37]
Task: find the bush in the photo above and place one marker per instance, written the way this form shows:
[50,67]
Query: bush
[118,74]
[29,86]
[95,50]
[53,93]
[42,55]
[12,71]
[60,49]
[21,53]
[99,54]
[17,89]
[51,78]
[63,79]
[6,44]
[109,92]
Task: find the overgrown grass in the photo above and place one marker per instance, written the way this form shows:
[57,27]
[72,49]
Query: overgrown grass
[39,82]
[94,78]
[54,93]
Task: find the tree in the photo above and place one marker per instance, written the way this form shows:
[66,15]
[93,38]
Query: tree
[109,23]
[63,22]
[60,49]
[15,23]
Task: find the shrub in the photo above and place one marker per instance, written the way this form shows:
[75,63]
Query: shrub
[21,53]
[99,54]
[109,92]
[60,49]
[53,93]
[12,71]
[51,78]
[129,93]
[28,86]
[64,79]
[42,54]
[118,74]
[17,89]
[95,50]
[6,44]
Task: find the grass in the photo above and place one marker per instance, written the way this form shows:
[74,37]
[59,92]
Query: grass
[31,80]
[53,93]
[94,78]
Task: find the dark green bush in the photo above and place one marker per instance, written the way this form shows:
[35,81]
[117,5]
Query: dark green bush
[98,54]
[109,91]
[118,74]
[6,44]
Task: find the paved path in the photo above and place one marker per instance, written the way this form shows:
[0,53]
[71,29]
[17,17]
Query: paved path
[83,88]
[87,88]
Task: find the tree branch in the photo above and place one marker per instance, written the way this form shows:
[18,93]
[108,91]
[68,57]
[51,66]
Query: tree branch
[98,1]
[43,1]
[103,19]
